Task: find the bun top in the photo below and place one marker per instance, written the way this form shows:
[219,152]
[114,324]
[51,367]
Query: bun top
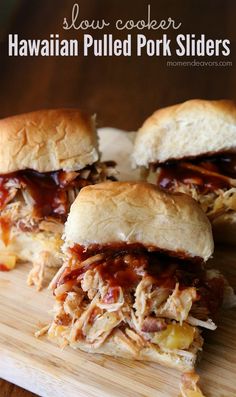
[47,140]
[131,212]
[193,128]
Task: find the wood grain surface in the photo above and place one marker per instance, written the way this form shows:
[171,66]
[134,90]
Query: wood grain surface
[121,91]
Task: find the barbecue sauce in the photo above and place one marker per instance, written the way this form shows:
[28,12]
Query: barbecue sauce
[4,192]
[47,190]
[172,172]
[124,265]
[5,227]
[4,268]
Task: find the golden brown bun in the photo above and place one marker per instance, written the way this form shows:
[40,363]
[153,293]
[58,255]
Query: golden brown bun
[47,140]
[114,346]
[224,228]
[139,213]
[189,129]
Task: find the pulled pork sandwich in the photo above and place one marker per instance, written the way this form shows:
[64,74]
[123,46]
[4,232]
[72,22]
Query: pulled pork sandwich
[191,148]
[133,283]
[46,157]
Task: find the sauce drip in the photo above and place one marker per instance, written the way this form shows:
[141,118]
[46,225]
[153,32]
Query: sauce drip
[5,226]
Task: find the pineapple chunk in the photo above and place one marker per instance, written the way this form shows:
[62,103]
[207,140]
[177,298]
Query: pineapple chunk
[7,262]
[175,336]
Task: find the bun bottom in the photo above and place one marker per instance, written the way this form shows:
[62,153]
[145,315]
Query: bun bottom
[42,249]
[224,228]
[114,346]
[27,246]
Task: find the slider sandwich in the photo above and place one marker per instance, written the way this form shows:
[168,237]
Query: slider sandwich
[191,148]
[133,283]
[46,157]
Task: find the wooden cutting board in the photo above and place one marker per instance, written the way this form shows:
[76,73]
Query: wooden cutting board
[41,367]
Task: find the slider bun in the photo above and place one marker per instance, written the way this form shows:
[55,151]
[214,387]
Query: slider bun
[114,346]
[130,212]
[47,140]
[224,228]
[193,128]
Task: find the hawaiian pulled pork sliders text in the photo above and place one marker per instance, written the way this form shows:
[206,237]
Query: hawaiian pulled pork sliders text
[191,148]
[133,283]
[46,157]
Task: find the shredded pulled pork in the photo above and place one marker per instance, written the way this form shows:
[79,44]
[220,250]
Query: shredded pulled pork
[44,260]
[215,203]
[147,296]
[178,304]
[189,385]
[210,181]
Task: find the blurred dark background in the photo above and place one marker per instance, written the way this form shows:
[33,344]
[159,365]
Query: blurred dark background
[122,91]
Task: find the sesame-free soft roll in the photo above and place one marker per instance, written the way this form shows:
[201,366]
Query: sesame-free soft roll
[46,157]
[191,148]
[133,282]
